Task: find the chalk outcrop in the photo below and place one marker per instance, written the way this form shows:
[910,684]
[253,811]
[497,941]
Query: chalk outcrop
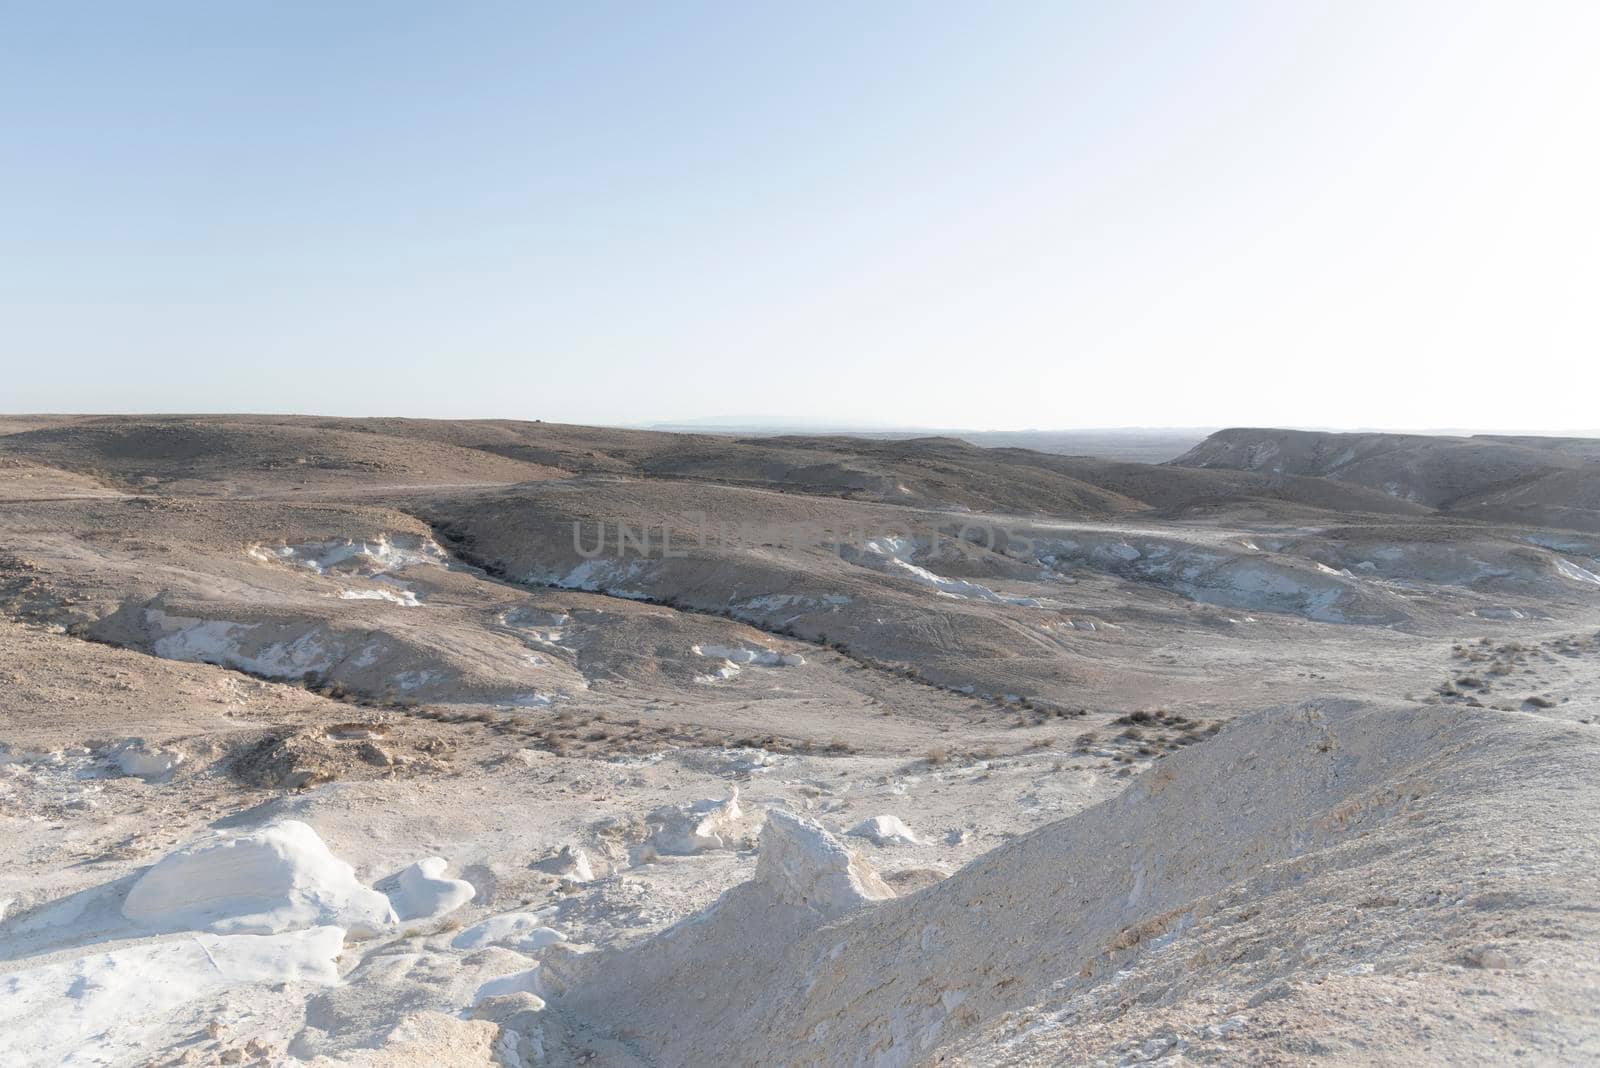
[1294,820]
[885,831]
[281,877]
[801,864]
[150,763]
[709,824]
[423,891]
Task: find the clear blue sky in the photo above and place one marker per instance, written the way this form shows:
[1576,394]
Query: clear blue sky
[998,215]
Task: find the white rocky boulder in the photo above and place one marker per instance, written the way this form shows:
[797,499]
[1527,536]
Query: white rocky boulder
[424,892]
[710,824]
[281,877]
[571,864]
[802,864]
[152,764]
[884,831]
[522,931]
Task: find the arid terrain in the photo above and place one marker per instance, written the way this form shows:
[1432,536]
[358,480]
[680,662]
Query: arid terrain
[394,742]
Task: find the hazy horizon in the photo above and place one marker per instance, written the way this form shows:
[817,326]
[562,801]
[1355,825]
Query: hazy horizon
[1072,215]
[747,425]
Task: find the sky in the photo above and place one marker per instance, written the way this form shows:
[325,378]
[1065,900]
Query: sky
[987,216]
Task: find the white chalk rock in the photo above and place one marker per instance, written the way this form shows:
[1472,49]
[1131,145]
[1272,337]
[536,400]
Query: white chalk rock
[571,864]
[133,757]
[704,825]
[802,864]
[522,931]
[524,982]
[423,892]
[884,831]
[99,1007]
[744,655]
[278,878]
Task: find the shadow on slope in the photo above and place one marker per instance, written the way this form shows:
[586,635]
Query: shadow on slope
[1364,841]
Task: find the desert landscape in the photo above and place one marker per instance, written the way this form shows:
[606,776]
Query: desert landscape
[393,742]
[710,535]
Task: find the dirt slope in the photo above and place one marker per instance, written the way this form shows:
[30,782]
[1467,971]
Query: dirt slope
[1484,476]
[234,455]
[240,453]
